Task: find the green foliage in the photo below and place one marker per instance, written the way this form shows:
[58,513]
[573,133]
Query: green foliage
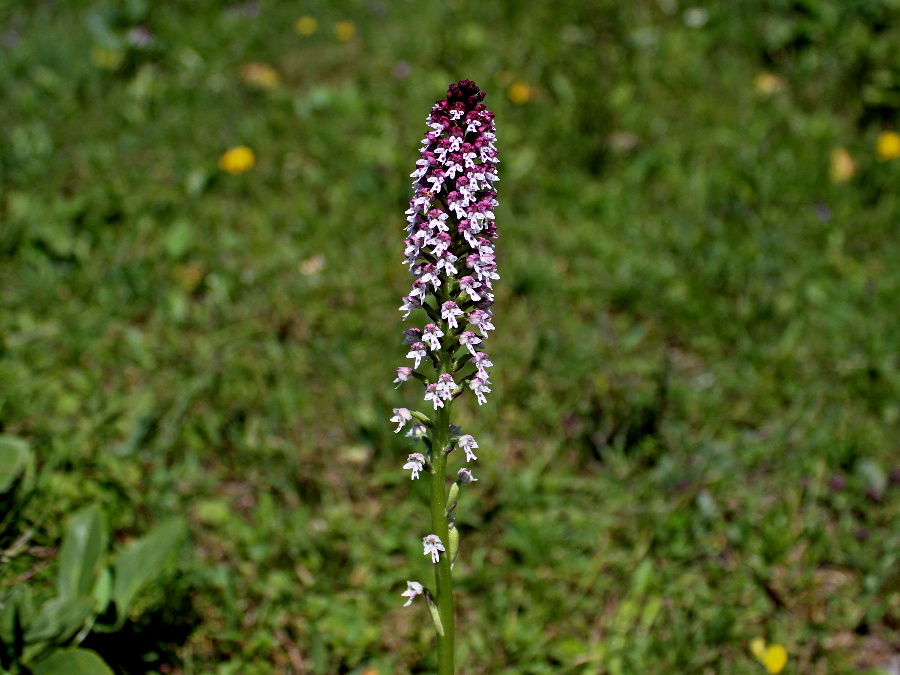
[72,662]
[16,482]
[32,635]
[141,563]
[83,549]
[692,436]
[15,459]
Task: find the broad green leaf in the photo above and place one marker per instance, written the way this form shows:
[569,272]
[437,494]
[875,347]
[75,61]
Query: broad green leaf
[103,589]
[59,619]
[85,543]
[72,662]
[14,457]
[143,561]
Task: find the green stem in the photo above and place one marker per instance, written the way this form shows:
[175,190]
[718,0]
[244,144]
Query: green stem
[443,576]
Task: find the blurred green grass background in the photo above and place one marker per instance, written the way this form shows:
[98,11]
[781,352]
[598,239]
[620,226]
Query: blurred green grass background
[692,440]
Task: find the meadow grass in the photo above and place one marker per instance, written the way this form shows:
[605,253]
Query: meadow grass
[692,436]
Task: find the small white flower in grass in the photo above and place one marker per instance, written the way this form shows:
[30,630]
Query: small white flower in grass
[482,362]
[485,249]
[432,337]
[421,201]
[437,180]
[470,286]
[456,166]
[416,463]
[417,352]
[464,476]
[446,386]
[457,203]
[419,290]
[441,244]
[401,417]
[413,588]
[480,387]
[481,319]
[467,442]
[449,311]
[429,276]
[403,375]
[433,545]
[468,339]
[433,394]
[445,264]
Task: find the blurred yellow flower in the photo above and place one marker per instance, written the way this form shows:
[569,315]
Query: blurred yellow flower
[106,59]
[520,93]
[767,84]
[237,160]
[775,659]
[344,30]
[758,647]
[306,25]
[843,166]
[888,145]
[260,75]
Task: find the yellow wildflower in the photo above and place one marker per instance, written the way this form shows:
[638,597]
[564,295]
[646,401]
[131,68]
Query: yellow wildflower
[888,145]
[520,93]
[843,166]
[106,59]
[758,647]
[237,160]
[260,75]
[306,25]
[775,659]
[767,84]
[344,30]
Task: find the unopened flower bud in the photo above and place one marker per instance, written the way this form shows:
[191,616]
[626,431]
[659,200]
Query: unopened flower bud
[416,431]
[435,614]
[453,495]
[464,477]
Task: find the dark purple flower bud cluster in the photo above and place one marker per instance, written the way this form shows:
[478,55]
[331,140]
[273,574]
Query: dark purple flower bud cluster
[450,246]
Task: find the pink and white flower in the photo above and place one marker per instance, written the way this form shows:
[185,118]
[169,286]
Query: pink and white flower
[432,545]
